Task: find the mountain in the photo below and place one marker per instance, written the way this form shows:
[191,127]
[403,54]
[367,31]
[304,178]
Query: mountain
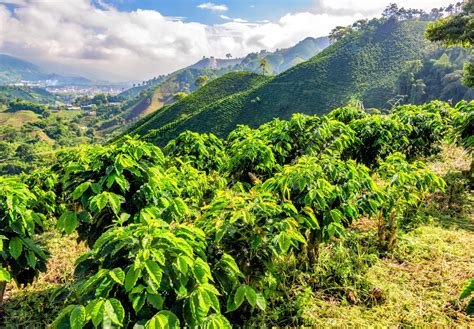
[159,91]
[15,70]
[283,59]
[364,65]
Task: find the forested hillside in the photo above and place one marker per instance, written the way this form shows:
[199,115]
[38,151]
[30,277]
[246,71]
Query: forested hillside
[363,66]
[15,70]
[215,91]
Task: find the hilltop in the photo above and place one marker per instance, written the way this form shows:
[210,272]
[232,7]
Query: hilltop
[283,59]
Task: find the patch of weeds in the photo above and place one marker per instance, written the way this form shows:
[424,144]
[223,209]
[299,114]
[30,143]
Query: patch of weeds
[31,306]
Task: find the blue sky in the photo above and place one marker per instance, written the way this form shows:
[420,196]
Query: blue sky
[250,10]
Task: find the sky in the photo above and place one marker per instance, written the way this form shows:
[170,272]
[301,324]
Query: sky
[133,40]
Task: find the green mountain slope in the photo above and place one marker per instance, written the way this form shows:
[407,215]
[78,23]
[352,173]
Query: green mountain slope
[157,92]
[35,94]
[364,65]
[283,59]
[228,85]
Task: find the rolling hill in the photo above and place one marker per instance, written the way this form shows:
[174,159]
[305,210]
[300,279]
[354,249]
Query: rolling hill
[159,91]
[228,85]
[30,94]
[364,65]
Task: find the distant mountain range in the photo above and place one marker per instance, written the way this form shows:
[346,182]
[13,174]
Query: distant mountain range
[15,70]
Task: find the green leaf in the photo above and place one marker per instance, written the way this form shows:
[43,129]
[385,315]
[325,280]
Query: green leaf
[118,309]
[154,271]
[182,265]
[201,271]
[156,301]
[131,278]
[68,222]
[77,318]
[114,311]
[31,259]
[117,275]
[79,191]
[97,313]
[239,296]
[251,296]
[114,202]
[163,320]
[261,302]
[4,275]
[467,290]
[15,247]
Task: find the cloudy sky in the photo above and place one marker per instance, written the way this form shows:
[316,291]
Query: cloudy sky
[123,40]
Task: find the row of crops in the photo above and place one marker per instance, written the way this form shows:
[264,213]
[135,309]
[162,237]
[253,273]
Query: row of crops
[194,235]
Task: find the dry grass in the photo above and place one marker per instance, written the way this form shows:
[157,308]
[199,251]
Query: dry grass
[17,119]
[30,307]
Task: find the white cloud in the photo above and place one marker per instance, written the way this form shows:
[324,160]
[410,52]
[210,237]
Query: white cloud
[227,18]
[373,7]
[103,42]
[213,7]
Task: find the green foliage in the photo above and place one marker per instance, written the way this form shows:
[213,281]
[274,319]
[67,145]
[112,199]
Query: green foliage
[208,228]
[377,137]
[456,30]
[406,186]
[160,275]
[464,125]
[468,291]
[99,180]
[21,258]
[203,151]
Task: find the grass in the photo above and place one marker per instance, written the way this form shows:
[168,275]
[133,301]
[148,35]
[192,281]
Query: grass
[31,307]
[18,118]
[417,285]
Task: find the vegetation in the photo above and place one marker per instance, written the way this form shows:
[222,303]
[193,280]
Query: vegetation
[373,64]
[457,30]
[214,232]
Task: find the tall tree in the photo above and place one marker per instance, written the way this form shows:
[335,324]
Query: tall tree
[457,30]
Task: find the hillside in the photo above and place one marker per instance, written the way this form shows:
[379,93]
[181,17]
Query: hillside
[157,92]
[30,94]
[216,63]
[152,98]
[229,84]
[364,65]
[283,59]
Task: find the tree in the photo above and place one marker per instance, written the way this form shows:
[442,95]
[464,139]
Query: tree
[201,81]
[264,65]
[457,30]
[228,56]
[338,33]
[179,96]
